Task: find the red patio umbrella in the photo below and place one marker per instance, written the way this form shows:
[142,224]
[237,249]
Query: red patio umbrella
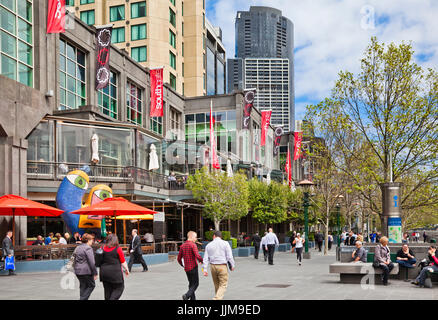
[12,205]
[114,207]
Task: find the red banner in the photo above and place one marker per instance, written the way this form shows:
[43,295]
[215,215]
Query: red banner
[213,153]
[266,121]
[288,168]
[156,93]
[103,45]
[298,139]
[56,16]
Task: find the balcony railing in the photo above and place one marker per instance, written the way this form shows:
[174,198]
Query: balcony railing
[39,170]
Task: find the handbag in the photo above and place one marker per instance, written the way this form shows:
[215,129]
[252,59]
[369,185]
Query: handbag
[9,263]
[70,266]
[98,257]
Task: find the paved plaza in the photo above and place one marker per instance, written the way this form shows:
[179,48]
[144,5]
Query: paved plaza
[168,281]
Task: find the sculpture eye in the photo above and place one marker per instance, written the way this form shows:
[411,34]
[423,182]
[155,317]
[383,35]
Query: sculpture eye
[103,194]
[78,181]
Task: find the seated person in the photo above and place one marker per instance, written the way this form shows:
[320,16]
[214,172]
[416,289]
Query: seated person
[433,267]
[405,257]
[359,255]
[38,242]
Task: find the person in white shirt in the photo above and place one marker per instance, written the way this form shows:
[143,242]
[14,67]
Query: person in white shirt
[271,242]
[149,237]
[299,242]
[263,247]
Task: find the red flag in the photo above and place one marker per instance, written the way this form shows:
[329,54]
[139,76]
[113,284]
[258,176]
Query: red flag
[156,93]
[214,159]
[266,121]
[289,168]
[298,139]
[56,16]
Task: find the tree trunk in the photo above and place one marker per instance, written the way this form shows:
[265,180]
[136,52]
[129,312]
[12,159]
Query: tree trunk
[216,225]
[327,218]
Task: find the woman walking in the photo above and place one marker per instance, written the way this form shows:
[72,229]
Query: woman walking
[111,273]
[299,242]
[84,267]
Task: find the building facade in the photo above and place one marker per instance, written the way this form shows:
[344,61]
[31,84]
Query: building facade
[264,60]
[168,33]
[50,110]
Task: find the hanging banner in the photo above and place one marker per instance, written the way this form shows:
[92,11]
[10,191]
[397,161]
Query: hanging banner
[213,153]
[156,92]
[248,101]
[297,148]
[56,16]
[288,169]
[278,133]
[266,121]
[103,45]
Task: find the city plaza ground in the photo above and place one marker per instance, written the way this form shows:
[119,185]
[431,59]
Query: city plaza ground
[167,281]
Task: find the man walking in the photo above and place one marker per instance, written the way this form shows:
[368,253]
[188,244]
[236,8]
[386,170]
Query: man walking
[319,239]
[256,243]
[135,252]
[218,254]
[8,249]
[187,258]
[271,241]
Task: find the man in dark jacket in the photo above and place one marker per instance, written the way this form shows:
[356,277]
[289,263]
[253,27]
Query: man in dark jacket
[256,243]
[8,249]
[319,239]
[135,252]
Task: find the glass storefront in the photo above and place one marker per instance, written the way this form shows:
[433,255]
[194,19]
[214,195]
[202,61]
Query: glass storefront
[40,143]
[143,145]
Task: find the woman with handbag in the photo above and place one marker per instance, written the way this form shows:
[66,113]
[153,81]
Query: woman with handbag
[382,259]
[111,274]
[84,266]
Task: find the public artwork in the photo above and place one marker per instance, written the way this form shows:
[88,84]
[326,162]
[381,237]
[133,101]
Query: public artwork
[249,103]
[56,16]
[156,93]
[103,45]
[69,197]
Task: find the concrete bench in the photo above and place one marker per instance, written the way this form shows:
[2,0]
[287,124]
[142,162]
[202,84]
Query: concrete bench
[354,272]
[244,251]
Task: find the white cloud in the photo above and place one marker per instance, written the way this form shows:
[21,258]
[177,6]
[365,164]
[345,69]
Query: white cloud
[333,38]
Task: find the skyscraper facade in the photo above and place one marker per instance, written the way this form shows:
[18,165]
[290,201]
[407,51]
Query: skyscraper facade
[264,60]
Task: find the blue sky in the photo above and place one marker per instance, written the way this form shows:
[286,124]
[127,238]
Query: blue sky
[331,35]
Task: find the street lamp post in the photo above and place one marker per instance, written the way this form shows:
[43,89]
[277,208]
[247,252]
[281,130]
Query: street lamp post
[306,184]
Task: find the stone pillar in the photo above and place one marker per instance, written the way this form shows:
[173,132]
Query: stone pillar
[391,214]
[13,180]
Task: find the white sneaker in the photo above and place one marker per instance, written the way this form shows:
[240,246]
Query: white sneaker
[299,263]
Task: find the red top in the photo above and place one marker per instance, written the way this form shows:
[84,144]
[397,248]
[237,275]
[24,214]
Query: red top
[435,261]
[119,252]
[189,252]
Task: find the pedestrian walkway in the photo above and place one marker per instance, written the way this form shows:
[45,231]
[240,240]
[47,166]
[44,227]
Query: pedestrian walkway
[168,281]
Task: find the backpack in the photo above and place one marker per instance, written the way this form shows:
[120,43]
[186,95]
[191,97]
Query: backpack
[98,257]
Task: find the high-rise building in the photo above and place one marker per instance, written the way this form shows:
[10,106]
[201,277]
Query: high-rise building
[264,60]
[169,33]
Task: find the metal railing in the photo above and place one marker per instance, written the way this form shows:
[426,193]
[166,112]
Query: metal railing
[39,170]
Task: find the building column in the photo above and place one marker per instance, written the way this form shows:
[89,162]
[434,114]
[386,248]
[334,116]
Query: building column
[13,180]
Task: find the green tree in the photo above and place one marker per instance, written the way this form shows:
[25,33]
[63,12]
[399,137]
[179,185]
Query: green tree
[385,121]
[223,197]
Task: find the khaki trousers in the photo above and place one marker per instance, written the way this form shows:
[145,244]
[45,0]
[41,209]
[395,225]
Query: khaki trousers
[219,273]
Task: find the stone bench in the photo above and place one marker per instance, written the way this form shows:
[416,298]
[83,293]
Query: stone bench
[244,251]
[354,272]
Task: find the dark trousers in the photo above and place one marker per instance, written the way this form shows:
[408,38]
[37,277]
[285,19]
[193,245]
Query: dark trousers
[265,253]
[86,286]
[330,245]
[319,245]
[299,253]
[193,278]
[423,274]
[386,270]
[113,291]
[271,249]
[256,249]
[136,257]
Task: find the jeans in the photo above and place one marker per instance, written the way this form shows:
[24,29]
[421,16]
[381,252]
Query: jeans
[193,278]
[386,270]
[86,286]
[113,291]
[423,274]
[407,264]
